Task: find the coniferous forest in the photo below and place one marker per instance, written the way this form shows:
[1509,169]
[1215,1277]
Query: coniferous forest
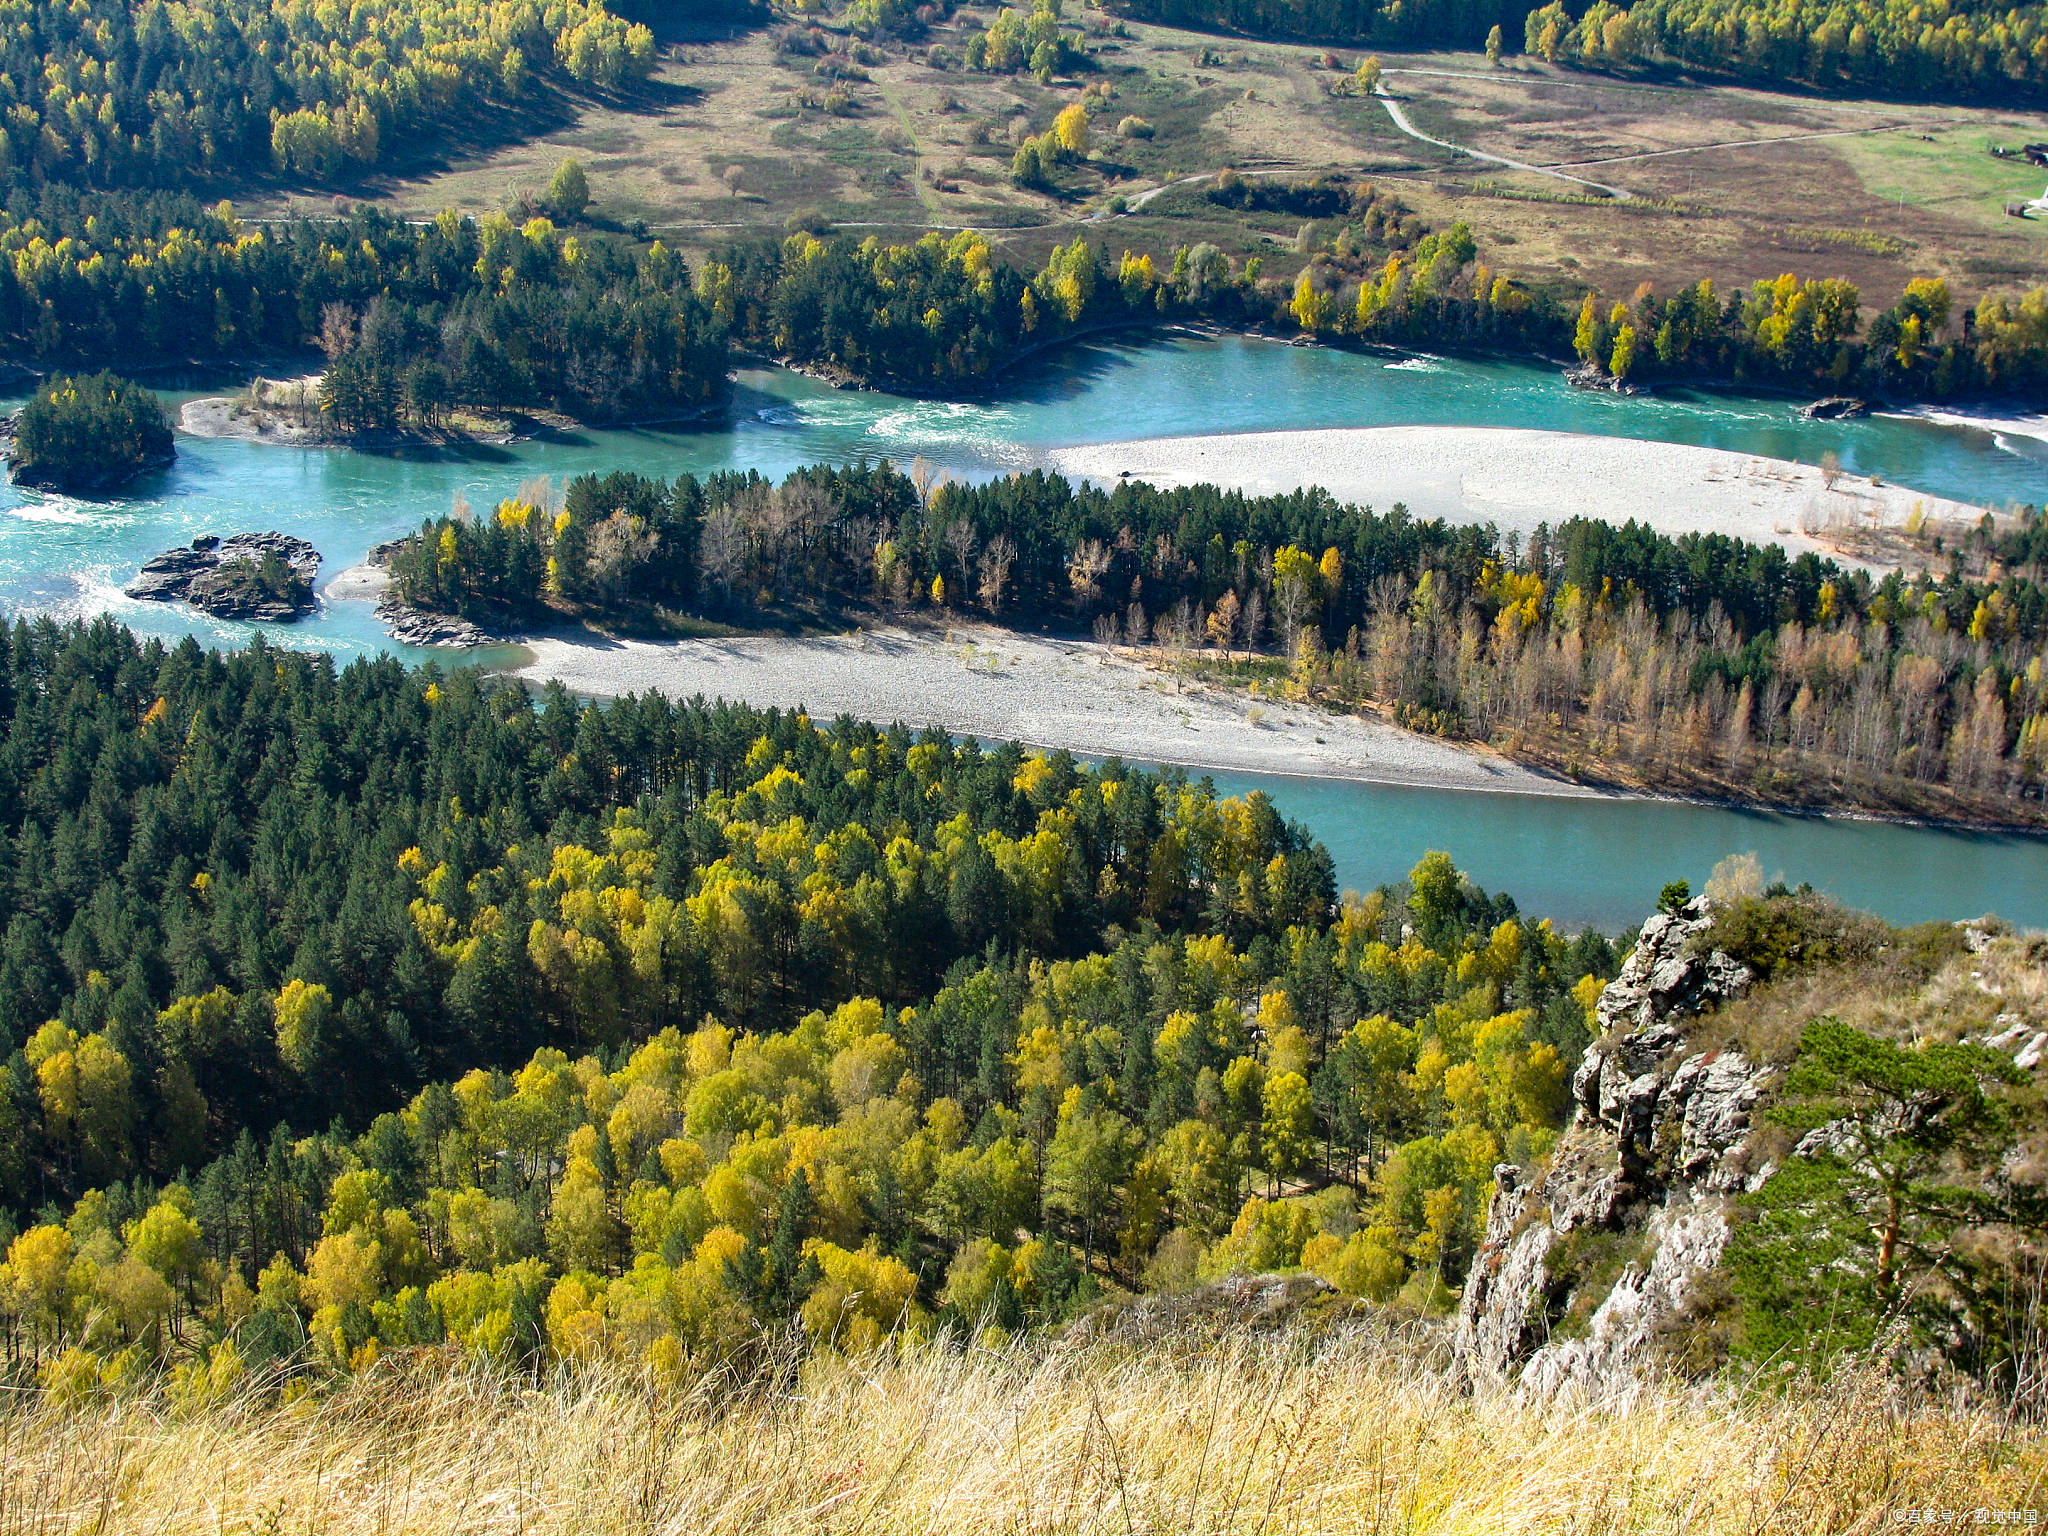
[693,1016]
[417,320]
[90,433]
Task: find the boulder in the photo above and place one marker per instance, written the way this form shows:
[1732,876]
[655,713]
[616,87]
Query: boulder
[1593,376]
[1837,408]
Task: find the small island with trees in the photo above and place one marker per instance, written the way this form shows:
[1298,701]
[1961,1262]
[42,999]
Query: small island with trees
[88,435]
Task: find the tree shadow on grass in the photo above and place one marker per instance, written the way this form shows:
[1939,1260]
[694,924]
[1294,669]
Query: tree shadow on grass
[549,108]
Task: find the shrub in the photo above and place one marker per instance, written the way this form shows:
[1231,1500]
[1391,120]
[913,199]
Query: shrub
[1793,930]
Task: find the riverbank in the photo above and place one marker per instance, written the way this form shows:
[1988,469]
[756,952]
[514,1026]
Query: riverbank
[1101,701]
[1002,685]
[1519,477]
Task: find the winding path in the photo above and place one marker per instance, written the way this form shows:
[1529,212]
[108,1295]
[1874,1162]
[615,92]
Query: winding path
[1400,119]
[1697,149]
[1180,181]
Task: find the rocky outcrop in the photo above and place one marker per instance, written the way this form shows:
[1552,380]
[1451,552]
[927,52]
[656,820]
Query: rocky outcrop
[2026,1045]
[1837,408]
[1608,1243]
[1593,376]
[415,626]
[224,577]
[419,626]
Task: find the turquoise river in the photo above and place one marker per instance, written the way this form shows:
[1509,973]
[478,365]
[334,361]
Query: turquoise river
[1578,861]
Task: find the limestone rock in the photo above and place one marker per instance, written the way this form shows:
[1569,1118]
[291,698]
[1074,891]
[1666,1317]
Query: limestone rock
[2013,1035]
[1654,1154]
[1665,978]
[1685,1242]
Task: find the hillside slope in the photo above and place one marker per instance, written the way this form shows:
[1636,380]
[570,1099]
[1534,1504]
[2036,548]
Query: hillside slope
[1828,1140]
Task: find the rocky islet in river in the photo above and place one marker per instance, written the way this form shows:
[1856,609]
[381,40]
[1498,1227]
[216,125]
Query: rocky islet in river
[230,578]
[405,624]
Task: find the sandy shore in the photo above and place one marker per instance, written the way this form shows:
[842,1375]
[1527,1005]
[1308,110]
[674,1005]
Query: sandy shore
[982,681]
[1998,424]
[358,583]
[1517,478]
[230,416]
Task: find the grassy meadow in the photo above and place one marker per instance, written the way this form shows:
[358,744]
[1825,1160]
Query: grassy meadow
[734,137]
[1361,1431]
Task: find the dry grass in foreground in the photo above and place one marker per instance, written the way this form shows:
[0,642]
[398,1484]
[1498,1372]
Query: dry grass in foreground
[1356,1434]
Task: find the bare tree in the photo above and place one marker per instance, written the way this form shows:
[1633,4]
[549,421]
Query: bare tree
[1388,595]
[959,541]
[769,519]
[996,561]
[1830,469]
[1254,619]
[1165,557]
[810,512]
[1106,629]
[722,549]
[540,494]
[1176,633]
[1136,624]
[337,330]
[617,545]
[1293,597]
[300,399]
